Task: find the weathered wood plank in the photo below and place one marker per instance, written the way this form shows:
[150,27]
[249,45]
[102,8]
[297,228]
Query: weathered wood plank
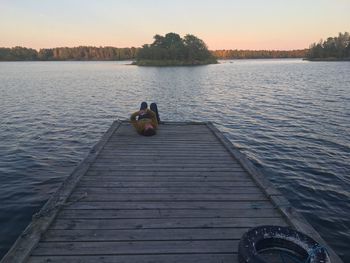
[141,258]
[144,234]
[167,213]
[145,158]
[164,148]
[136,223]
[165,162]
[189,136]
[238,175]
[170,190]
[168,168]
[112,183]
[150,149]
[163,134]
[170,205]
[101,196]
[170,173]
[163,145]
[209,141]
[122,177]
[167,137]
[152,152]
[167,178]
[181,154]
[168,163]
[168,141]
[135,248]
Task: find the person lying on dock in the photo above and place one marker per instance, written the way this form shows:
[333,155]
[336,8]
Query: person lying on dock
[147,119]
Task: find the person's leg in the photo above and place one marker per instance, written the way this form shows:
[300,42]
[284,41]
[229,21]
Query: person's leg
[154,108]
[143,107]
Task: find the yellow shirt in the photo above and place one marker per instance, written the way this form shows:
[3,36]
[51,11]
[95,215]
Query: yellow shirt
[140,124]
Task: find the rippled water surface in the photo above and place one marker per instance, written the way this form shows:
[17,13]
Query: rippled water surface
[292,119]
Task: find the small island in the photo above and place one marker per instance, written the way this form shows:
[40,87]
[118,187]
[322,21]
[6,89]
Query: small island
[172,50]
[332,49]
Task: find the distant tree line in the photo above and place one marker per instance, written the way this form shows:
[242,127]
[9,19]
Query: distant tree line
[171,49]
[334,48]
[112,53]
[65,53]
[247,54]
[18,53]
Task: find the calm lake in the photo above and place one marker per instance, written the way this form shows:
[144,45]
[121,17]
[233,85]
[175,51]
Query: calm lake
[290,117]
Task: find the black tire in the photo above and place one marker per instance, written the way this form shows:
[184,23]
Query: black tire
[284,238]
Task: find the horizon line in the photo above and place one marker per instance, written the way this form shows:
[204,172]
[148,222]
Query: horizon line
[38,49]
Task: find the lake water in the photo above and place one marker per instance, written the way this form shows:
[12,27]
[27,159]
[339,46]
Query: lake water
[290,117]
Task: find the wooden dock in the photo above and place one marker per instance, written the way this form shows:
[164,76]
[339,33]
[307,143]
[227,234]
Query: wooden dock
[185,195]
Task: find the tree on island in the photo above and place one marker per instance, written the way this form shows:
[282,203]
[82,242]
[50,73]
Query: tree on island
[171,49]
[334,48]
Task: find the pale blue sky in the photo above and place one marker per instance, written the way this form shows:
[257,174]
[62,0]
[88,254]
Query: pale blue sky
[222,24]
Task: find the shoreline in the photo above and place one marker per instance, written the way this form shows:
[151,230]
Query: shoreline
[169,63]
[189,64]
[179,63]
[327,59]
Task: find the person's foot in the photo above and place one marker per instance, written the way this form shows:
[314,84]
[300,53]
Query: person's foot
[154,108]
[143,105]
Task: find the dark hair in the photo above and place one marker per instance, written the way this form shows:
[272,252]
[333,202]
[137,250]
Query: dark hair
[149,132]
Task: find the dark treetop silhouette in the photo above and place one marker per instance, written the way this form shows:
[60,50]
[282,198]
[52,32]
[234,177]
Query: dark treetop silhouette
[334,48]
[171,49]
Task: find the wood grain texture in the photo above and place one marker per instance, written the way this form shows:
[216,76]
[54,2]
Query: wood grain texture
[136,247]
[81,204]
[167,213]
[168,258]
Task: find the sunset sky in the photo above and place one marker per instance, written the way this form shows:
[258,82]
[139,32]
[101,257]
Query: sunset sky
[222,24]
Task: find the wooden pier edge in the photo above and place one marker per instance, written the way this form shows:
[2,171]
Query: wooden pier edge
[27,241]
[293,217]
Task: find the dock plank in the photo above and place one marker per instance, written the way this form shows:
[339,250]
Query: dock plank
[96,235]
[81,204]
[142,223]
[167,178]
[184,183]
[136,247]
[208,174]
[168,258]
[170,190]
[165,197]
[167,213]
